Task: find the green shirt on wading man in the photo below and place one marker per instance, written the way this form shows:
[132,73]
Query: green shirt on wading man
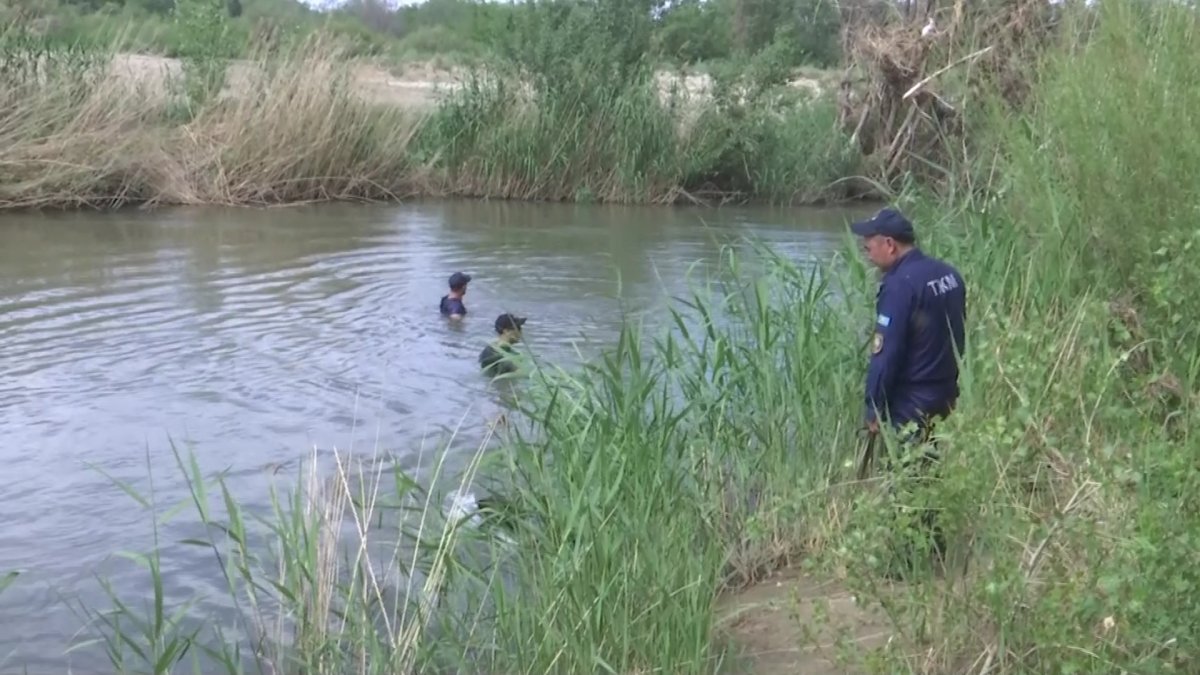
[499,358]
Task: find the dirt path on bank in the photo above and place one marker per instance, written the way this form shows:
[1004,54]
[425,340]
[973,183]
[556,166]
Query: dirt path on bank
[411,85]
[796,624]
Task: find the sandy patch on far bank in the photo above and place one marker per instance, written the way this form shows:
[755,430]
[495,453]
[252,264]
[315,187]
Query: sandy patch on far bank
[411,85]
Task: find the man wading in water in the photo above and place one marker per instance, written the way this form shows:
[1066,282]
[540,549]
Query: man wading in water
[497,358]
[920,312]
[452,305]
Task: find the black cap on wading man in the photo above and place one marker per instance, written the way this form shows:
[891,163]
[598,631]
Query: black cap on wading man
[496,358]
[508,322]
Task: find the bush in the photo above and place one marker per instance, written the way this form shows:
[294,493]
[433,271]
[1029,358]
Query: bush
[573,113]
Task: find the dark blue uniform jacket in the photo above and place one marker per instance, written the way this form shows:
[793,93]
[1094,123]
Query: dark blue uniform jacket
[920,310]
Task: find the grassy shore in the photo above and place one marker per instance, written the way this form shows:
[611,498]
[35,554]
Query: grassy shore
[294,125]
[685,465]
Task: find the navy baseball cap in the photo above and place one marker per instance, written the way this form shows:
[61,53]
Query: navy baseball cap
[887,222]
[507,321]
[459,279]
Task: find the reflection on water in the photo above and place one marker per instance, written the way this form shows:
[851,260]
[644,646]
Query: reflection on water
[255,336]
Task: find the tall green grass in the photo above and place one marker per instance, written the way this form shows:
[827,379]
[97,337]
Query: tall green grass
[668,470]
[577,112]
[1071,472]
[84,126]
[347,571]
[676,471]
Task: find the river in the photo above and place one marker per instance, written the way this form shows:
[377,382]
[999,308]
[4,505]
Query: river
[256,336]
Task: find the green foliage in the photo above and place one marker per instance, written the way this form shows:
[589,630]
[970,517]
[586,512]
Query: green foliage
[594,125]
[305,595]
[811,34]
[686,33]
[591,123]
[431,41]
[695,31]
[669,468]
[763,137]
[573,48]
[34,67]
[806,31]
[28,59]
[1108,157]
[205,44]
[807,28]
[153,638]
[617,143]
[566,109]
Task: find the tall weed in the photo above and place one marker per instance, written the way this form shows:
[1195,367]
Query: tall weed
[573,113]
[671,468]
[347,572]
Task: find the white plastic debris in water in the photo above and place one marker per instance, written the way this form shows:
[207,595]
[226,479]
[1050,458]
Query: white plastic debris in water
[462,505]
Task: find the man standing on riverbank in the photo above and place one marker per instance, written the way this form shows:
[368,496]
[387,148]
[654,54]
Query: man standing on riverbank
[452,305]
[497,359]
[919,331]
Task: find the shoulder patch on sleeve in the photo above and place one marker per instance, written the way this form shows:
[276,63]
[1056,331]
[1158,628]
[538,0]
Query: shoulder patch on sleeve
[883,320]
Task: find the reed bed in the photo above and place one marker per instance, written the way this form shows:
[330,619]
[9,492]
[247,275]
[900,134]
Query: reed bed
[289,126]
[79,133]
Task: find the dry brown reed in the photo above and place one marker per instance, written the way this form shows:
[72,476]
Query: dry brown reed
[82,134]
[350,588]
[912,76]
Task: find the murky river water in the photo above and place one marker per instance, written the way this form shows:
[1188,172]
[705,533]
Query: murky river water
[255,336]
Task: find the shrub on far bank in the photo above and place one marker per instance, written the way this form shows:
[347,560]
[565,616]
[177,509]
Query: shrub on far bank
[577,111]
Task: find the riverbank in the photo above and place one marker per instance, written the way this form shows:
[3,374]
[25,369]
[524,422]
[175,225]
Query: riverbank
[98,130]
